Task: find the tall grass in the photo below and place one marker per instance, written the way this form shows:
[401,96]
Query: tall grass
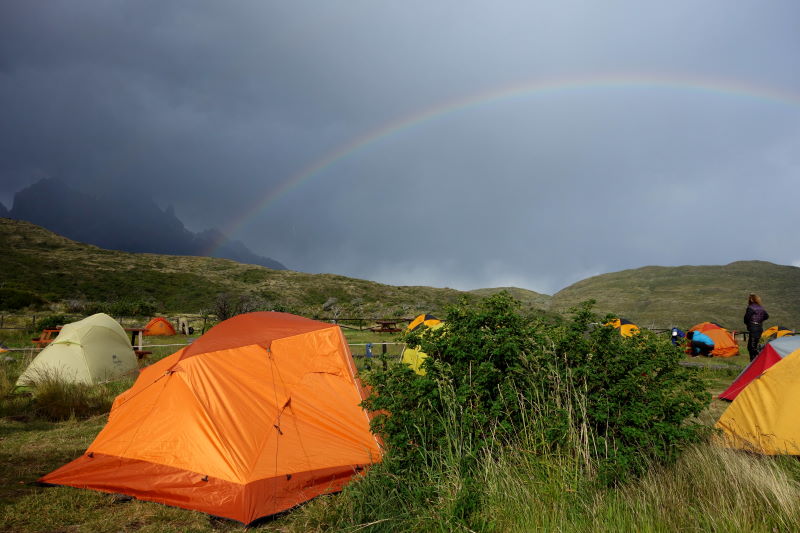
[57,399]
[49,396]
[523,485]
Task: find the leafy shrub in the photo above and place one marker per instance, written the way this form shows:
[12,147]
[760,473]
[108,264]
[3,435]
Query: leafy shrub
[52,321]
[476,365]
[228,305]
[639,403]
[121,307]
[14,299]
[622,401]
[126,307]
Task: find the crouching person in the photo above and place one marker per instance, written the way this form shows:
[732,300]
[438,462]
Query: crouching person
[700,343]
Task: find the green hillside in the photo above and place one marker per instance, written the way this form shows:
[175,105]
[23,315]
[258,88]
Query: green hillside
[38,264]
[656,296]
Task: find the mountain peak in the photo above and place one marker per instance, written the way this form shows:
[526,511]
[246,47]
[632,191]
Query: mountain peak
[110,220]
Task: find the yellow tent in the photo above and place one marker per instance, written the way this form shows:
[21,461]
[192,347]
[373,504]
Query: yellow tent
[776,332]
[625,326]
[89,351]
[412,355]
[763,417]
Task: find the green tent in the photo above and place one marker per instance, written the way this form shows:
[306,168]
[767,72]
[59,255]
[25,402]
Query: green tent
[90,351]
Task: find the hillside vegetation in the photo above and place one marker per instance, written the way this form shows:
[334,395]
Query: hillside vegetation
[39,265]
[657,296]
[529,298]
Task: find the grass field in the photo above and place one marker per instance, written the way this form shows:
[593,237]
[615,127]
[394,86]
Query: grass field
[708,490]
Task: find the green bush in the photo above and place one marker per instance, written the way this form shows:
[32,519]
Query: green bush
[620,403]
[638,402]
[126,307]
[52,321]
[13,299]
[117,308]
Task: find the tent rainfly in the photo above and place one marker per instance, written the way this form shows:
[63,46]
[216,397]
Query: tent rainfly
[413,356]
[626,327]
[724,343]
[159,326]
[90,351]
[763,417]
[772,353]
[256,416]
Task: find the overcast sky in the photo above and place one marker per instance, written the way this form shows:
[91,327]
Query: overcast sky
[445,143]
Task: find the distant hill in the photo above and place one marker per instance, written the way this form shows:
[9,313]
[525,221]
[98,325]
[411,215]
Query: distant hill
[686,295]
[37,262]
[122,220]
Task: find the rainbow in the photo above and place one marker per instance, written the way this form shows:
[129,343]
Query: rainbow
[712,87]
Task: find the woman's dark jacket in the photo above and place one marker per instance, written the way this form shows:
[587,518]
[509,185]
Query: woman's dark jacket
[755,315]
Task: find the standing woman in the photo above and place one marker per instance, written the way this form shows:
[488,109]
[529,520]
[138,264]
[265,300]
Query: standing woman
[754,319]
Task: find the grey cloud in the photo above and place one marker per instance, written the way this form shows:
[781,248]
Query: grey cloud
[216,106]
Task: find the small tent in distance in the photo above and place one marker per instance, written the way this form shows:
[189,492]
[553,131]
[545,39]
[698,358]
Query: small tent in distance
[772,353]
[775,332]
[256,416]
[626,327]
[90,351]
[159,326]
[763,417]
[724,343]
[413,356]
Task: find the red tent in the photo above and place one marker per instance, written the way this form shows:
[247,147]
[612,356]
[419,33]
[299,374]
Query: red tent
[772,353]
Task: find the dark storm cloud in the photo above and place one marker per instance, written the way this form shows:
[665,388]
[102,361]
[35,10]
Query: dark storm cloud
[214,105]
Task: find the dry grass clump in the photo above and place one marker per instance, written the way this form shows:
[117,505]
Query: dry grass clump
[55,399]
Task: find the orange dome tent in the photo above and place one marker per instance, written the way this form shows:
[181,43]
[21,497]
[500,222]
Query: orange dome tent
[724,343]
[159,326]
[258,415]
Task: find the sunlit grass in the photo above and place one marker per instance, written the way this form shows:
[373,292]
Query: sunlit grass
[514,487]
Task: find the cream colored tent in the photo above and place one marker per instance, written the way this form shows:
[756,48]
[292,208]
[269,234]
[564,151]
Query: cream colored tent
[91,350]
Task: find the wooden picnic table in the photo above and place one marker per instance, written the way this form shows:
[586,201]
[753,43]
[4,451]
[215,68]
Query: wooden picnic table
[136,342]
[386,326]
[46,337]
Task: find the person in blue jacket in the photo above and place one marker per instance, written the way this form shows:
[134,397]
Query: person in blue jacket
[701,343]
[676,336]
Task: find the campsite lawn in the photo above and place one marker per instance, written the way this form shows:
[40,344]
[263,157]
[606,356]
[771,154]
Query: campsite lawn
[31,447]
[698,493]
